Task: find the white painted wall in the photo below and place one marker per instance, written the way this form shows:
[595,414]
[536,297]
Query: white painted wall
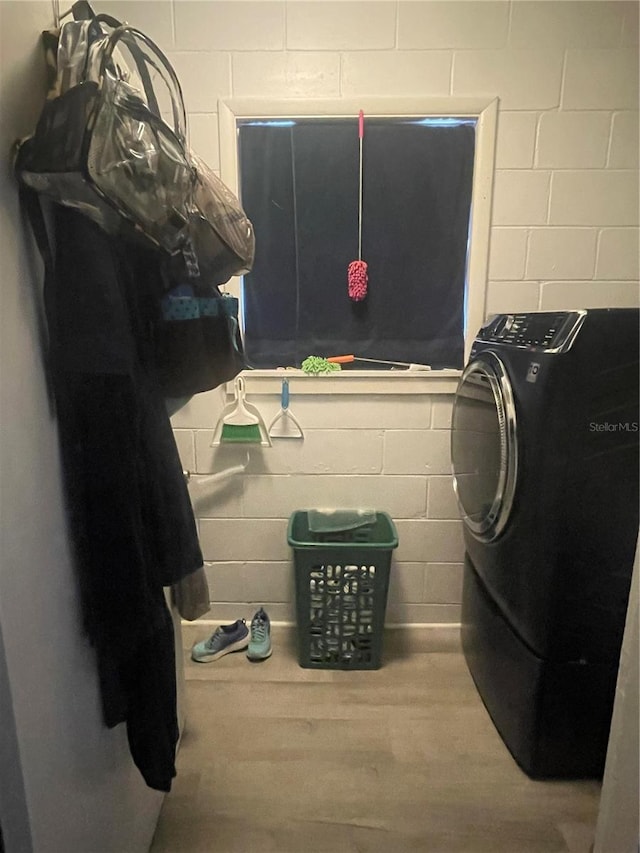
[564,234]
[66,782]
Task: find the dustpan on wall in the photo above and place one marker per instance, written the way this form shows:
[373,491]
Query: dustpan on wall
[240,422]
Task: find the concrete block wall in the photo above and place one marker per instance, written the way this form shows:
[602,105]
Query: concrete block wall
[389,452]
[564,234]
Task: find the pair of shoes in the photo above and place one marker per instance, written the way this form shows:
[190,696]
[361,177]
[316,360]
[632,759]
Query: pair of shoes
[260,643]
[234,638]
[225,639]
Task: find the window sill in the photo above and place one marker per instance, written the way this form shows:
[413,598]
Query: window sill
[354,382]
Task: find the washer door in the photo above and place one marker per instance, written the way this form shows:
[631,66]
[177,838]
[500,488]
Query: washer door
[484,451]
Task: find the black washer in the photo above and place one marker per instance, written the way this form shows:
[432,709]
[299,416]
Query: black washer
[545,458]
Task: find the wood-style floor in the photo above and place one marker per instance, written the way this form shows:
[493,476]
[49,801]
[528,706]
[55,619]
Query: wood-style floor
[280,759]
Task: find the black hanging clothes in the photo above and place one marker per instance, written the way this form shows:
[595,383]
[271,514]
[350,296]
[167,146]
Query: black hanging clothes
[130,515]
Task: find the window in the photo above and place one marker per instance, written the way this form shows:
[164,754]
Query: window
[424,226]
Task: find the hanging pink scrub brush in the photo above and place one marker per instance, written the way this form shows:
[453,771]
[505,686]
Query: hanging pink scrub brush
[357,275]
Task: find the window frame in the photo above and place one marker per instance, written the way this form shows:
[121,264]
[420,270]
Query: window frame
[485,112]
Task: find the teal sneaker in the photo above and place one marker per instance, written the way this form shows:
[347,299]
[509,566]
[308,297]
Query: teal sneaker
[260,642]
[225,639]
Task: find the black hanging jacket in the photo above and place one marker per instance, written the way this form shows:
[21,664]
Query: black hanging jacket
[131,519]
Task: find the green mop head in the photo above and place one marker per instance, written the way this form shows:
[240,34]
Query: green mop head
[314,364]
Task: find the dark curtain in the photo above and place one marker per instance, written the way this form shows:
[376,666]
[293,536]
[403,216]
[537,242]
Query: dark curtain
[300,189]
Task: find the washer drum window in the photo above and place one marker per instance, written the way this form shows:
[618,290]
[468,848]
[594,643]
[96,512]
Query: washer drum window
[484,450]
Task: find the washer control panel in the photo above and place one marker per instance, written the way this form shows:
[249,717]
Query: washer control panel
[549,331]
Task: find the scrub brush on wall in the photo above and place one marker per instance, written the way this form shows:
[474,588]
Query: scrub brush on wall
[285,424]
[357,274]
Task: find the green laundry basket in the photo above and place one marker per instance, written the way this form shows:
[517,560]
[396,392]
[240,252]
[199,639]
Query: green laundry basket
[342,580]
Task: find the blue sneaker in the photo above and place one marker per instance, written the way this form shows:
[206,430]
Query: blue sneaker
[260,643]
[225,639]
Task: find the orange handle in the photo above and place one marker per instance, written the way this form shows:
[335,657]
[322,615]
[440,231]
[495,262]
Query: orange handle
[341,359]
